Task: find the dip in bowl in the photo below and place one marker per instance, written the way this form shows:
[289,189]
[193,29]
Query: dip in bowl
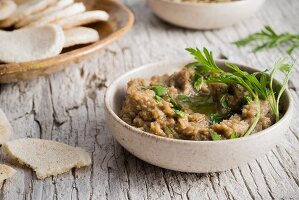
[194,151]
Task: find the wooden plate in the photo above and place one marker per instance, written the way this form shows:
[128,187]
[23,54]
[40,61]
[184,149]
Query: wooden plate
[120,22]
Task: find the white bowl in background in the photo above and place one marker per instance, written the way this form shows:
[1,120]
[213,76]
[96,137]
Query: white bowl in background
[184,155]
[204,15]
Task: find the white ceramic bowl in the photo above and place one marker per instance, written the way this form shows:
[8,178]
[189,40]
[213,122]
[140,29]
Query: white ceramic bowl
[204,15]
[183,155]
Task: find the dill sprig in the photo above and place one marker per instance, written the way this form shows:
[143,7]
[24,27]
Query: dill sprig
[257,84]
[270,39]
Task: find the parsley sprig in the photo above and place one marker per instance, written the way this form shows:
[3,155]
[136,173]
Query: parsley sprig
[258,85]
[270,39]
[215,136]
[217,117]
[286,69]
[223,101]
[160,90]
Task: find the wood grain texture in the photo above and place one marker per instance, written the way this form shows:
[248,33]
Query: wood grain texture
[68,107]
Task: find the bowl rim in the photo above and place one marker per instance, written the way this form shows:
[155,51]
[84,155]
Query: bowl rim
[205,3]
[108,109]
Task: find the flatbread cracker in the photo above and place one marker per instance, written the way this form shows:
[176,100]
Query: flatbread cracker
[82,18]
[30,44]
[7,7]
[5,173]
[80,35]
[71,10]
[5,128]
[46,157]
[26,9]
[31,18]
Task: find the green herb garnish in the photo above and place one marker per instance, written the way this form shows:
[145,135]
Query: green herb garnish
[246,100]
[180,113]
[178,108]
[215,136]
[234,135]
[223,101]
[286,69]
[217,117]
[158,98]
[160,90]
[270,39]
[258,87]
[175,104]
[184,98]
[193,64]
[198,80]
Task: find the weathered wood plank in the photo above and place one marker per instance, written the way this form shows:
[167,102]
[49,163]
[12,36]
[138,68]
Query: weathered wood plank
[68,107]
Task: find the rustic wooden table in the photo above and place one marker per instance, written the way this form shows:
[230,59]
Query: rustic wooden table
[68,107]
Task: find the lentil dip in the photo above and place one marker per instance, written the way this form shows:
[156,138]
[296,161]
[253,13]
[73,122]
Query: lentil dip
[146,110]
[204,102]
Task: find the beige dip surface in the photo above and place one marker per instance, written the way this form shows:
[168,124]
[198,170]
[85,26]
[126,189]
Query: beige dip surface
[170,106]
[68,107]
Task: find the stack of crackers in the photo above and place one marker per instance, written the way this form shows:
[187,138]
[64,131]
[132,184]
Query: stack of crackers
[40,29]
